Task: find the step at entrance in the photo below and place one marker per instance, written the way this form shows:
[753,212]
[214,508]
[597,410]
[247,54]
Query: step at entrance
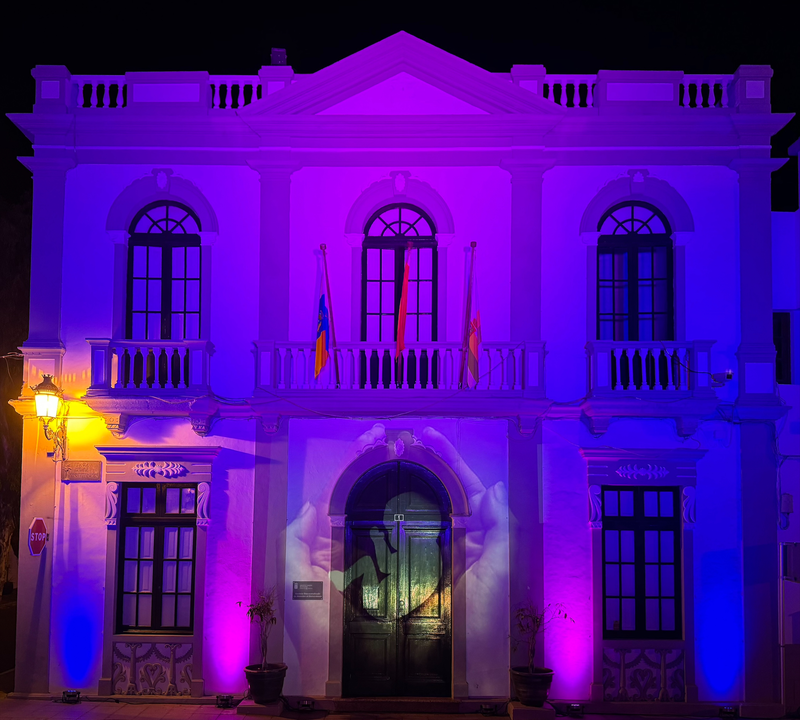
[407,708]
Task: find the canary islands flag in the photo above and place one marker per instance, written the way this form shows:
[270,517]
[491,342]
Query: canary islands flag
[323,331]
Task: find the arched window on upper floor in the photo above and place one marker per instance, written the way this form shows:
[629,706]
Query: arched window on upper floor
[386,237]
[164,273]
[635,274]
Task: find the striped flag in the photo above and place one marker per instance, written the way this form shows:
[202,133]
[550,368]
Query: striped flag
[401,311]
[470,347]
[325,326]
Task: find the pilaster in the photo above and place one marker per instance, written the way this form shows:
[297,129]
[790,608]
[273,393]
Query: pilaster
[47,248]
[526,247]
[758,405]
[273,262]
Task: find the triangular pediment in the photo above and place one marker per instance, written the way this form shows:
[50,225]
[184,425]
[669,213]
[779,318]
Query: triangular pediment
[402,75]
[402,94]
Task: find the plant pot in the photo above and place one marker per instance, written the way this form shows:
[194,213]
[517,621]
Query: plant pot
[266,686]
[531,688]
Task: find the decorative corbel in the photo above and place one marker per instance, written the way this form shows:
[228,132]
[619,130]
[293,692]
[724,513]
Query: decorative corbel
[595,508]
[112,502]
[270,423]
[117,424]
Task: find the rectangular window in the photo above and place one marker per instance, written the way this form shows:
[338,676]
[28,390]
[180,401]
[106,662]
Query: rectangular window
[156,558]
[641,562]
[781,336]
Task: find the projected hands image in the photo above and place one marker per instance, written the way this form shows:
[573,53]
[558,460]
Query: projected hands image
[396,563]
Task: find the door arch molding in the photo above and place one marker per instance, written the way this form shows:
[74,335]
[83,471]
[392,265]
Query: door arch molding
[411,450]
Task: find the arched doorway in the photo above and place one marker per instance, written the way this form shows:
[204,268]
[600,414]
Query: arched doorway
[398,584]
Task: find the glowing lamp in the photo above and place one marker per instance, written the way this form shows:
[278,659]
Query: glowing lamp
[48,403]
[48,398]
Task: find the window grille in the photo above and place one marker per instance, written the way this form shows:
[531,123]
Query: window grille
[641,562]
[164,278]
[386,237]
[634,274]
[156,569]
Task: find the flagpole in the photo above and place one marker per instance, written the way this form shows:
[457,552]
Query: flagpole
[330,303]
[467,313]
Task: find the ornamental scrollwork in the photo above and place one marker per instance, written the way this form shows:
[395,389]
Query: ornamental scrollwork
[203,496]
[595,507]
[168,469]
[689,506]
[112,500]
[632,471]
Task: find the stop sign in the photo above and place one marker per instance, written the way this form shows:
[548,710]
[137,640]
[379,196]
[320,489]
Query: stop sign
[37,536]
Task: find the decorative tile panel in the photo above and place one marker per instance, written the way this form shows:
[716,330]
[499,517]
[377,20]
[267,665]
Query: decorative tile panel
[149,668]
[644,675]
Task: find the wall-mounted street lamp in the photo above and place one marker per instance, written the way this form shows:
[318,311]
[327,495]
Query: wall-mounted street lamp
[48,397]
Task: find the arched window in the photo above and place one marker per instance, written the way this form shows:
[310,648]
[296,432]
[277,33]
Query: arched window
[386,237]
[634,274]
[164,273]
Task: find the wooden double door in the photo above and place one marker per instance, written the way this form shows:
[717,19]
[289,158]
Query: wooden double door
[398,557]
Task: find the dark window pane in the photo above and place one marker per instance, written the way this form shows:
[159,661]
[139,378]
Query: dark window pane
[193,262]
[626,503]
[612,614]
[612,580]
[627,538]
[610,503]
[605,266]
[667,580]
[629,580]
[154,262]
[651,613]
[178,265]
[628,614]
[667,546]
[651,504]
[665,500]
[621,265]
[651,546]
[667,614]
[651,580]
[645,297]
[645,260]
[612,545]
[660,258]
[139,261]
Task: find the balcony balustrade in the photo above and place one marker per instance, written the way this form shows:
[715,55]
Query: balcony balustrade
[430,367]
[231,92]
[622,368]
[149,367]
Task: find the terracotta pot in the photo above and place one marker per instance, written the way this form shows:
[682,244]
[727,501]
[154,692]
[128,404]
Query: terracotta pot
[266,686]
[531,688]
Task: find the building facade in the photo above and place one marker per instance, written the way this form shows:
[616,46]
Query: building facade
[619,228]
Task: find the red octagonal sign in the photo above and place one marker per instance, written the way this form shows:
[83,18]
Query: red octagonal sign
[37,536]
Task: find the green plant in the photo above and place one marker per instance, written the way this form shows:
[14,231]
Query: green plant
[530,621]
[262,611]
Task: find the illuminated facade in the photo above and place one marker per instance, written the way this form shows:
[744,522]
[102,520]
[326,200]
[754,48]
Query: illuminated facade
[622,225]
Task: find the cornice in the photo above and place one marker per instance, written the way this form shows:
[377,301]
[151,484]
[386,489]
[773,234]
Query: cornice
[123,453]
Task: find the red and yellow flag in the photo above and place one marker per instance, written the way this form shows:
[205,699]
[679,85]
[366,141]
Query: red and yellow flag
[470,347]
[401,311]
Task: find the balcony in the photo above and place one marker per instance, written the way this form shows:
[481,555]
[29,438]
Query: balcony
[150,378]
[649,379]
[424,379]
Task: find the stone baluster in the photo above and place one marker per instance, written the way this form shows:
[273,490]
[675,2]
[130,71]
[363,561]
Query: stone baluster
[346,369]
[404,355]
[93,98]
[724,83]
[551,96]
[281,374]
[589,94]
[504,358]
[431,370]
[418,364]
[79,96]
[670,379]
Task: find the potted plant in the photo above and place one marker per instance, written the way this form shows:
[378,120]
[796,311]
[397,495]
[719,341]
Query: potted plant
[266,679]
[531,684]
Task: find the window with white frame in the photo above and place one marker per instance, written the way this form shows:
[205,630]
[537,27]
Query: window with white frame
[634,274]
[387,236]
[156,568]
[164,278]
[641,562]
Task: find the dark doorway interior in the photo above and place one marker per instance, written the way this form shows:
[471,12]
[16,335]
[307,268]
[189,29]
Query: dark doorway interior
[397,615]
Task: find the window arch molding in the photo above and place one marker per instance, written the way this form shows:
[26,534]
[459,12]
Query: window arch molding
[638,186]
[399,187]
[161,186]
